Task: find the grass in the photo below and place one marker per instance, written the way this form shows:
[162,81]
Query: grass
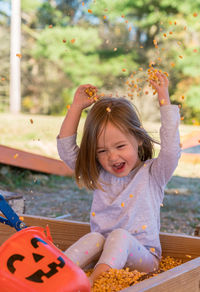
[38,137]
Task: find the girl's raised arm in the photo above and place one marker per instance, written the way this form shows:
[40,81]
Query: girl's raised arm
[162,89]
[81,100]
[164,165]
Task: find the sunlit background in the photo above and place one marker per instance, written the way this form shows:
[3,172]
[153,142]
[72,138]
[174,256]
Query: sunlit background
[112,45]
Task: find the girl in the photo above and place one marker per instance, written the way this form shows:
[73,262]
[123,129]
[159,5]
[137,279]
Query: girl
[115,161]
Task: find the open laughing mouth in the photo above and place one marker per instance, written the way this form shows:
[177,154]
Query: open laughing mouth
[118,167]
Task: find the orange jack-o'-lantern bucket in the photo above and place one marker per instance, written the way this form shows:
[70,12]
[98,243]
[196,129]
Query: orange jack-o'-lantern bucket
[30,262]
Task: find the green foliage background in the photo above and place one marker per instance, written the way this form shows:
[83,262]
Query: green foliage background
[116,35]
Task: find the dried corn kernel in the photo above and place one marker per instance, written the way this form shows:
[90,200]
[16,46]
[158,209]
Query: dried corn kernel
[90,91]
[115,280]
[108,109]
[19,55]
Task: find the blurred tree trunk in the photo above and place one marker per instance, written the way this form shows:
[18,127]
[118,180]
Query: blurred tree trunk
[15,46]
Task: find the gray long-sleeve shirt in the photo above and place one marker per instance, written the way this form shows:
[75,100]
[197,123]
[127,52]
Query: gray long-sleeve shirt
[133,202]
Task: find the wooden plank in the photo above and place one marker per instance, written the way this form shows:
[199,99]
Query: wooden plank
[193,158]
[183,278]
[33,161]
[180,246]
[64,233]
[190,140]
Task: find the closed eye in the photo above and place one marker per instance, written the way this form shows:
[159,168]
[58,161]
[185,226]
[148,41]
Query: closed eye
[101,151]
[121,146]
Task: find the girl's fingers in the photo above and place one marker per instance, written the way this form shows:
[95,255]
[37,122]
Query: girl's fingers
[162,78]
[154,83]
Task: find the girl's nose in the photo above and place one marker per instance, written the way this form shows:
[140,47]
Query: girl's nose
[112,155]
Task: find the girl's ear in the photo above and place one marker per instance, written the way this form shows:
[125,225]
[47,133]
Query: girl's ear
[140,142]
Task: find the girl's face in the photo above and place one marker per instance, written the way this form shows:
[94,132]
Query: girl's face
[117,151]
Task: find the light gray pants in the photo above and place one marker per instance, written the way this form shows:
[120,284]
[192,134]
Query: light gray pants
[120,249]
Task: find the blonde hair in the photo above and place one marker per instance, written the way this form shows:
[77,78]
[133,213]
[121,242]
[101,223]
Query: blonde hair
[123,115]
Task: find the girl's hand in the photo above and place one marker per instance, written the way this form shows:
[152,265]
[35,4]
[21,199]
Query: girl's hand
[81,98]
[161,87]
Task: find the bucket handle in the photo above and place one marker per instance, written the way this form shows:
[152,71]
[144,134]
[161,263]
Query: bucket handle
[12,218]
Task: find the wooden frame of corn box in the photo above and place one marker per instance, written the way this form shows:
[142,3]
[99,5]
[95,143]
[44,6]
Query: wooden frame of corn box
[183,278]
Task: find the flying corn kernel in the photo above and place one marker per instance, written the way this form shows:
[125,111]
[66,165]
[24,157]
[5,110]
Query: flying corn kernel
[122,204]
[108,109]
[152,249]
[16,155]
[89,11]
[144,227]
[19,55]
[181,57]
[73,41]
[131,195]
[68,106]
[162,101]
[93,213]
[195,14]
[123,70]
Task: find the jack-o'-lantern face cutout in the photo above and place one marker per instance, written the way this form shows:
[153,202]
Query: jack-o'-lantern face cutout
[39,274]
[30,262]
